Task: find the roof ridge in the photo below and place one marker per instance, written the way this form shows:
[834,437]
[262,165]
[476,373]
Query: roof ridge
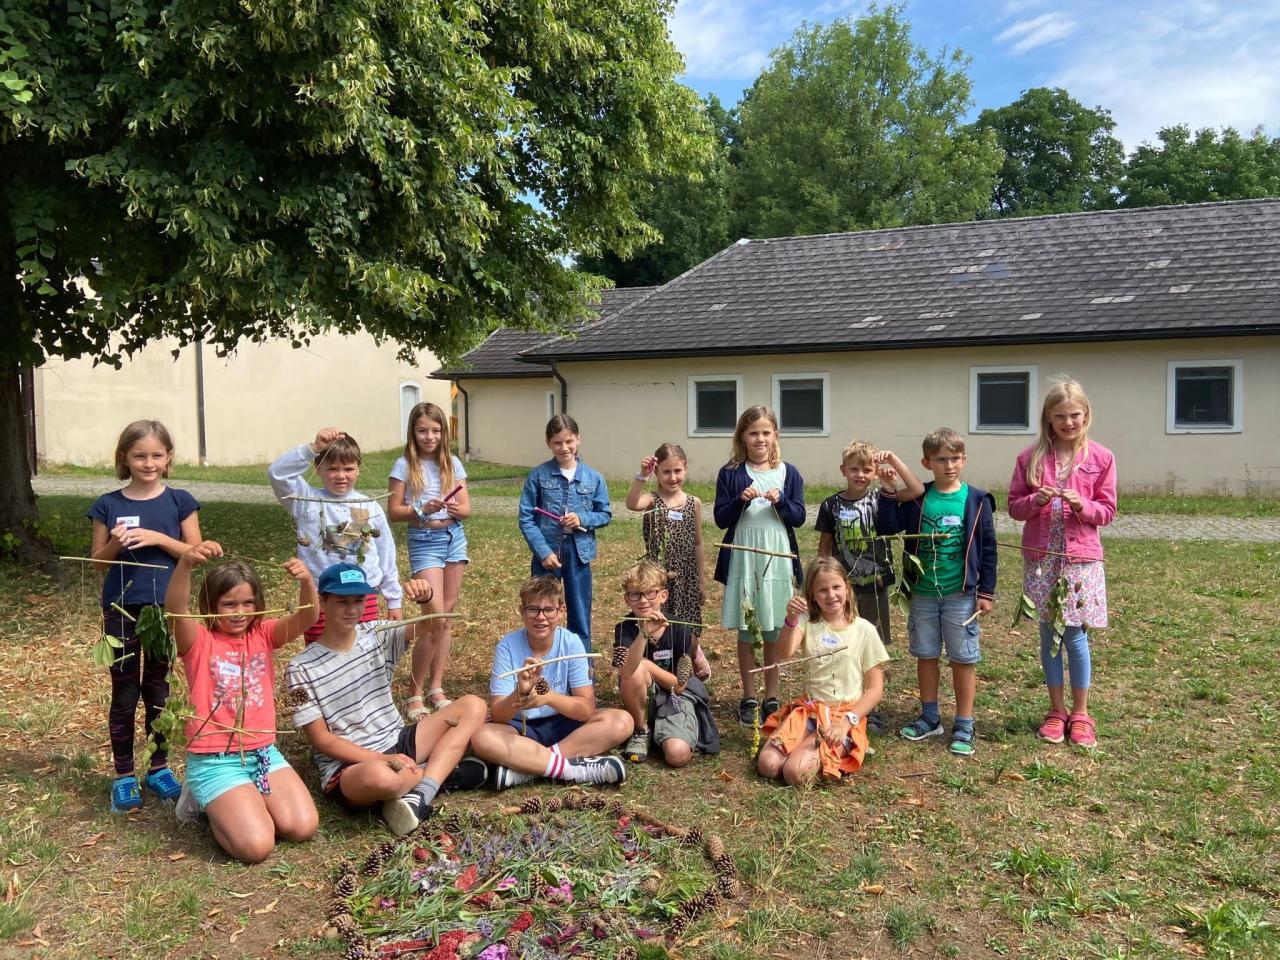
[590,324]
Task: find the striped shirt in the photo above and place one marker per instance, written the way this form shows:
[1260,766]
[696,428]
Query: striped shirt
[350,690]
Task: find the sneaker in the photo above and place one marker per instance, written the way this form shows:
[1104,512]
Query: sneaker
[637,748]
[186,810]
[470,773]
[962,742]
[1082,731]
[126,795]
[768,708]
[875,722]
[401,813]
[748,708]
[1054,728]
[921,728]
[606,769]
[504,777]
[163,784]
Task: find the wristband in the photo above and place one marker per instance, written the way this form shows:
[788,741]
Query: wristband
[789,623]
[642,478]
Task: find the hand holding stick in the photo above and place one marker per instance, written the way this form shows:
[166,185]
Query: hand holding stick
[787,663]
[557,518]
[541,663]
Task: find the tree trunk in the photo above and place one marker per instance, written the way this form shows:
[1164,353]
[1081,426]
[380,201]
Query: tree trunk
[19,530]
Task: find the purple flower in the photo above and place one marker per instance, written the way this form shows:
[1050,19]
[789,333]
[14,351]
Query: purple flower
[495,951]
[506,883]
[386,903]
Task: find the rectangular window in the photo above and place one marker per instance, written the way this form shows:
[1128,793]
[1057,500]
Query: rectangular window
[802,402]
[551,404]
[1205,396]
[714,403]
[1002,399]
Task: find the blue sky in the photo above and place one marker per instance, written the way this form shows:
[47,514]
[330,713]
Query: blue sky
[1152,63]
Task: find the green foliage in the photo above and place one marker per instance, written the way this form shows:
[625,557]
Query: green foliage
[1223,928]
[104,651]
[1206,166]
[153,632]
[851,126]
[1059,156]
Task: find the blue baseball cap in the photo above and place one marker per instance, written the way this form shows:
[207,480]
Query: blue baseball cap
[344,580]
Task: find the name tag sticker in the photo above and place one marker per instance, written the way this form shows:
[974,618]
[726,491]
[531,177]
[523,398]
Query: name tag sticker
[829,641]
[949,522]
[129,522]
[351,576]
[847,514]
[228,671]
[675,514]
[661,655]
[760,502]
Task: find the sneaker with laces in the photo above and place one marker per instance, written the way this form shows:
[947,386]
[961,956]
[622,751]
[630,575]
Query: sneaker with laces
[470,773]
[126,795]
[505,778]
[401,813]
[163,784]
[186,810]
[606,769]
[637,747]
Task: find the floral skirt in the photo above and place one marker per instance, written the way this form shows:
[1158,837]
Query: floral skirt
[798,722]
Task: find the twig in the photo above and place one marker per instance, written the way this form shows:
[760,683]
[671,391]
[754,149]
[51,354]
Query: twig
[687,623]
[1046,553]
[543,663]
[225,726]
[237,556]
[557,519]
[767,553]
[373,499]
[976,615]
[238,613]
[124,613]
[788,663]
[392,624]
[116,563]
[207,719]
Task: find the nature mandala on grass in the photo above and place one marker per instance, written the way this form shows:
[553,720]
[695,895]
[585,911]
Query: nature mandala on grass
[568,876]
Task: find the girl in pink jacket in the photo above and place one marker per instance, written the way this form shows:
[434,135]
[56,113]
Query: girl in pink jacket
[1063,489]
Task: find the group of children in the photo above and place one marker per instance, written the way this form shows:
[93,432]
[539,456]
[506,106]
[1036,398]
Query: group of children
[542,719]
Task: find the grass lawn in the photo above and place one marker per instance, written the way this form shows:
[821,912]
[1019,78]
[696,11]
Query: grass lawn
[1162,844]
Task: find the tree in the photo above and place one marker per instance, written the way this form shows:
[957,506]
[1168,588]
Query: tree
[1203,167]
[1059,155]
[850,126]
[692,215]
[223,170]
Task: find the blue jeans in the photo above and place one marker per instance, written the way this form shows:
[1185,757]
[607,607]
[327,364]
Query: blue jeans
[1076,644]
[940,621]
[577,590]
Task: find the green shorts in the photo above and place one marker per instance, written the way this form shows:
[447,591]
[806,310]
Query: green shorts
[681,725]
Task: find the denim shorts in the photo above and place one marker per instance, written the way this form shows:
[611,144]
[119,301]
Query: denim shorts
[210,775]
[432,549]
[935,621]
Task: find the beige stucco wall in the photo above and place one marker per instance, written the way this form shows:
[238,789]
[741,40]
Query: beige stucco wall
[257,403]
[508,418]
[626,408]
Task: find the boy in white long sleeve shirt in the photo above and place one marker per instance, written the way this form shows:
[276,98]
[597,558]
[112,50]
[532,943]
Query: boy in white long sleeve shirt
[336,523]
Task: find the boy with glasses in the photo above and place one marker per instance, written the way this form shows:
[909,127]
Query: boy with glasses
[557,733]
[951,531]
[656,657]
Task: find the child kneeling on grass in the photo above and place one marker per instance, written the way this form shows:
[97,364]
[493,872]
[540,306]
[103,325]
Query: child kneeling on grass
[341,688]
[558,732]
[677,717]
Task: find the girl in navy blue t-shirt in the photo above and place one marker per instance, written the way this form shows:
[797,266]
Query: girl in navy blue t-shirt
[143,522]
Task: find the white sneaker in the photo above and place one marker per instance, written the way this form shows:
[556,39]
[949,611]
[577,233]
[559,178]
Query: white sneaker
[401,816]
[606,769]
[186,809]
[505,777]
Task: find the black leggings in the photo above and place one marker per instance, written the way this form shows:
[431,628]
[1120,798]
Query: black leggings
[132,680]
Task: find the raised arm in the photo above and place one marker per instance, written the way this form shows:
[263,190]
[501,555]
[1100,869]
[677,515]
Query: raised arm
[639,497]
[910,486]
[287,628]
[177,599]
[287,474]
[792,630]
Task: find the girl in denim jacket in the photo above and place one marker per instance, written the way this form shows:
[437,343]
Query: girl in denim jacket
[563,503]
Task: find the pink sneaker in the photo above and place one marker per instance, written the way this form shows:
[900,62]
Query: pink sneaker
[1054,728]
[1081,730]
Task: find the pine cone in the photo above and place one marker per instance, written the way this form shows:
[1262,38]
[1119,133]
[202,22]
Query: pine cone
[553,804]
[596,803]
[727,884]
[626,953]
[679,923]
[616,809]
[358,949]
[542,688]
[619,657]
[724,865]
[531,805]
[338,908]
[650,885]
[378,858]
[684,670]
[715,848]
[345,885]
[692,837]
[396,765]
[345,924]
[452,823]
[297,697]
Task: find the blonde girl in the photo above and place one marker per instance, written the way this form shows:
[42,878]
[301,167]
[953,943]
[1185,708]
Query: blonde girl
[144,522]
[429,491]
[235,773]
[759,504]
[672,528]
[1064,489]
[824,733]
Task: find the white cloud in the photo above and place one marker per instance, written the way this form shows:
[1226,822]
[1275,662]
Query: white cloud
[1052,27]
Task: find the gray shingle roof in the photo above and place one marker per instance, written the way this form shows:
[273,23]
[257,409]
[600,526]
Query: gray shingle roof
[1200,270]
[497,356]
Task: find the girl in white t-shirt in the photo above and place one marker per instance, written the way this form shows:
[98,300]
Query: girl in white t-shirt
[429,492]
[824,733]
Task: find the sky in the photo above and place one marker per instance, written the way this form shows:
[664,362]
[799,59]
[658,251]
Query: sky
[1152,63]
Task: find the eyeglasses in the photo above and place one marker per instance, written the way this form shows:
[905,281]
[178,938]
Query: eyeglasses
[533,613]
[947,461]
[635,596]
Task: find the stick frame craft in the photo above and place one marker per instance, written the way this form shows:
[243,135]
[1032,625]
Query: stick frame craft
[543,663]
[795,660]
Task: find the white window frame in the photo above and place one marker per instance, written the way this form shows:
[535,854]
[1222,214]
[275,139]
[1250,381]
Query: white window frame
[404,414]
[551,404]
[825,431]
[694,380]
[1033,391]
[1237,397]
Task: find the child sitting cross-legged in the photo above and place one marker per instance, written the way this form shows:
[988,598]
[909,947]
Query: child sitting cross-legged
[659,661]
[550,728]
[341,689]
[824,733]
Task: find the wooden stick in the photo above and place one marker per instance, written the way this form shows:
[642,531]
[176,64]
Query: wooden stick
[1045,553]
[124,613]
[687,623]
[788,663]
[117,563]
[373,499]
[535,666]
[243,613]
[237,556]
[224,726]
[767,553]
[392,624]
[976,615]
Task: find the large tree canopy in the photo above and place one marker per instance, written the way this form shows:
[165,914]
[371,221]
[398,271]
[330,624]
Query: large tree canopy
[1187,168]
[1059,156]
[851,126]
[231,169]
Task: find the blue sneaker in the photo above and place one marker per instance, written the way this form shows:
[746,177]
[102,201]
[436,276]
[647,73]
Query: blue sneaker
[163,784]
[125,794]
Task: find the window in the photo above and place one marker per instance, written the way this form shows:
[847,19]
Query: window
[410,396]
[1001,399]
[551,404]
[1205,396]
[714,403]
[802,402]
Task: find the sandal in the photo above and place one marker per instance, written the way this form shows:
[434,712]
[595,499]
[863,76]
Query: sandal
[437,704]
[414,709]
[961,742]
[1081,730]
[769,708]
[921,728]
[747,708]
[1054,728]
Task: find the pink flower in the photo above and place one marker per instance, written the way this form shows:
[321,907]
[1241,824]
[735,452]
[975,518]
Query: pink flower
[495,951]
[506,883]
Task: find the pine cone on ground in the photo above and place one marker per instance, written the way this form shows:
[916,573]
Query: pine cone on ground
[542,688]
[684,670]
[679,923]
[619,657]
[616,809]
[650,885]
[715,847]
[727,884]
[345,924]
[378,858]
[452,823]
[626,953]
[345,885]
[359,950]
[553,804]
[596,803]
[338,908]
[531,805]
[692,838]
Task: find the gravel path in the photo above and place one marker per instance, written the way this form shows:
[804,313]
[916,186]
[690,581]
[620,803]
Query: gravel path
[1130,526]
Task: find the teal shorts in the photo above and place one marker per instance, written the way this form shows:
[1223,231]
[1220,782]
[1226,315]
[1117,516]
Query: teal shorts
[210,775]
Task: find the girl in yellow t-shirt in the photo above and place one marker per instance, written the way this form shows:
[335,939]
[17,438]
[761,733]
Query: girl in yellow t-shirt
[824,733]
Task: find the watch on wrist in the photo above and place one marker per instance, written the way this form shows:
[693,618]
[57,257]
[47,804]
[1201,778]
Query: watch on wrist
[853,718]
